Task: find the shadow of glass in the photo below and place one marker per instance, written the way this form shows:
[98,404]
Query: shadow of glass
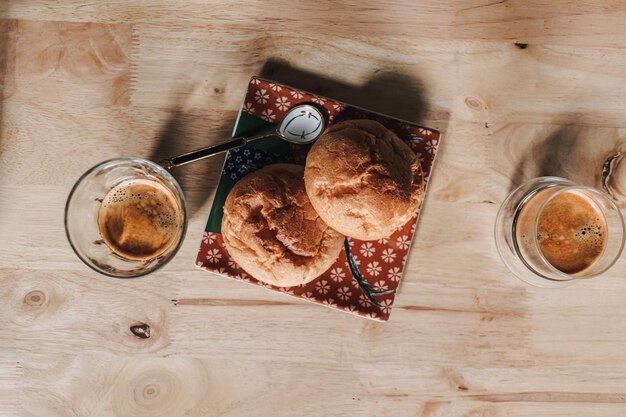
[547,157]
[185,131]
[555,150]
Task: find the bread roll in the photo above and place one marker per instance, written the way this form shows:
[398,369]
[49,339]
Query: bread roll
[363,180]
[272,231]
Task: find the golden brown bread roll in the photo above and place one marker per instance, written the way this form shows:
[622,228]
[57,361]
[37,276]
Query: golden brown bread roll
[272,231]
[363,180]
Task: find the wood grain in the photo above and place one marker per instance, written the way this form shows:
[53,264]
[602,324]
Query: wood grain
[519,89]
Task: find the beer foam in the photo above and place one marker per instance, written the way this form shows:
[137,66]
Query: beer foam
[139,219]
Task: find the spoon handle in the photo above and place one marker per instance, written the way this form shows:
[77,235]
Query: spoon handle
[208,151]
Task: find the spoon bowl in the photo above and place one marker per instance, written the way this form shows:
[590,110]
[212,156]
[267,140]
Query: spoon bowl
[302,124]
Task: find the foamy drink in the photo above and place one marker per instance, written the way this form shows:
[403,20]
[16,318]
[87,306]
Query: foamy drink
[140,219]
[571,232]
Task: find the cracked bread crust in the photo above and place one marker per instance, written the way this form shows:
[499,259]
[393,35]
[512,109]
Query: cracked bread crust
[271,230]
[363,180]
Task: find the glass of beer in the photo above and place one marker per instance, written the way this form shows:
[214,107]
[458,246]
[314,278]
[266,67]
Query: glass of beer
[126,217]
[551,232]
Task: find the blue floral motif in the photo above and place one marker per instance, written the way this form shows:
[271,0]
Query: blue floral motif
[244,160]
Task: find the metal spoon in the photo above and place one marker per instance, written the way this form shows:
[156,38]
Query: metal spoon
[302,124]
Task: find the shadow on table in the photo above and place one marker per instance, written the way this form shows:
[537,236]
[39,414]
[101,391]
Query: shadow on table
[388,92]
[186,131]
[549,156]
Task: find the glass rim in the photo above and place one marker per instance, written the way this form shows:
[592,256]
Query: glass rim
[161,171]
[597,193]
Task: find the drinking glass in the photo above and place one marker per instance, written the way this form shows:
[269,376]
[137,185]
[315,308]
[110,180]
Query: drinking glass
[518,240]
[83,205]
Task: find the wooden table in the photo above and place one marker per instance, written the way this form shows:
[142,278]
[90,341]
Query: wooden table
[519,88]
